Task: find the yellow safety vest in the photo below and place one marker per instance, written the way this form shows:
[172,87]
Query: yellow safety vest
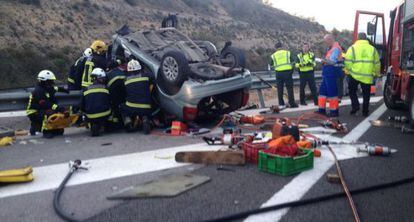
[362,62]
[86,76]
[281,61]
[306,62]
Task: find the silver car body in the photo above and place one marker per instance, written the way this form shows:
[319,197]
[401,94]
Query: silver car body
[192,90]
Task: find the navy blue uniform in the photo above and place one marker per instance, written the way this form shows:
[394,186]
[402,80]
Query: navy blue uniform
[75,74]
[96,102]
[138,95]
[116,87]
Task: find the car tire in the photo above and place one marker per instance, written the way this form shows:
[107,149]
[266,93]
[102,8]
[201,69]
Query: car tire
[233,57]
[389,99]
[173,72]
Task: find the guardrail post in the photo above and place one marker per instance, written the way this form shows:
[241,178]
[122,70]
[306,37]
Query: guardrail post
[261,99]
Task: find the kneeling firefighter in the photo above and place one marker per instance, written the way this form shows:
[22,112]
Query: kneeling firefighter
[96,102]
[43,103]
[137,106]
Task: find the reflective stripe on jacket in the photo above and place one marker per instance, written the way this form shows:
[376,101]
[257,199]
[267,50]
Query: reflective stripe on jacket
[138,94]
[306,62]
[281,61]
[362,62]
[96,102]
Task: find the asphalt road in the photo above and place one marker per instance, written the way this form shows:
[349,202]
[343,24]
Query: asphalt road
[227,193]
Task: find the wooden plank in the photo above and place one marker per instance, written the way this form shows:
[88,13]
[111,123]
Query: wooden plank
[212,157]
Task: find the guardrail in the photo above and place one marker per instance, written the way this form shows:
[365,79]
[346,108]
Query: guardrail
[270,77]
[16,99]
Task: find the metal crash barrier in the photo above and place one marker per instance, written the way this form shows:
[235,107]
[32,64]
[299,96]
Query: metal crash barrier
[17,99]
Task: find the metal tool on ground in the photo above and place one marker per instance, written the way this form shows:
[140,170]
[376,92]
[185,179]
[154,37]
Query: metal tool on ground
[272,110]
[74,166]
[335,124]
[169,186]
[17,175]
[407,129]
[231,157]
[398,119]
[376,150]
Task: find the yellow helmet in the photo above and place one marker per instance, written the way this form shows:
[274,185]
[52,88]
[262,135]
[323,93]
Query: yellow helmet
[99,47]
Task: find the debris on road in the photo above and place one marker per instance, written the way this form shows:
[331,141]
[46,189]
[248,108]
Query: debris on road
[106,144]
[21,132]
[169,186]
[211,157]
[376,150]
[222,168]
[6,132]
[6,141]
[17,175]
[406,129]
[333,178]
[35,142]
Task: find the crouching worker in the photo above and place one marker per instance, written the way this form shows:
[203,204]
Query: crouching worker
[95,102]
[137,107]
[43,103]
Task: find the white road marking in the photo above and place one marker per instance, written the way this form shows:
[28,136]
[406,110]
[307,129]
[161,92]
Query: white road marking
[345,102]
[49,177]
[302,183]
[12,114]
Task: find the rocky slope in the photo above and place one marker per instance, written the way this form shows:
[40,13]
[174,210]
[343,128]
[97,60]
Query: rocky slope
[39,34]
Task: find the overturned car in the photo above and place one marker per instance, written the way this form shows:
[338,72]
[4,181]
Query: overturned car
[194,81]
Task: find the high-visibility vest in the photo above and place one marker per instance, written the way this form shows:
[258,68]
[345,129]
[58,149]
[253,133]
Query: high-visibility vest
[281,60]
[96,102]
[362,62]
[86,76]
[306,62]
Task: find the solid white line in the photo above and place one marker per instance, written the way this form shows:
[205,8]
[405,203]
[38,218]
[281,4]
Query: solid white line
[49,177]
[345,102]
[302,183]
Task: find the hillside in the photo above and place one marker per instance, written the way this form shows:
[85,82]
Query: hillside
[39,34]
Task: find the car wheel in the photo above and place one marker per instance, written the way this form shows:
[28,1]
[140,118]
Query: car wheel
[411,107]
[389,99]
[173,72]
[233,57]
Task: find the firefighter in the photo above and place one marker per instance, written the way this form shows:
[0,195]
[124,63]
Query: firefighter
[96,102]
[282,63]
[97,60]
[116,87]
[331,71]
[43,103]
[76,71]
[363,65]
[137,107]
[306,66]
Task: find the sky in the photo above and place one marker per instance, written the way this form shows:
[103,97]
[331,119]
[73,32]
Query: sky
[343,14]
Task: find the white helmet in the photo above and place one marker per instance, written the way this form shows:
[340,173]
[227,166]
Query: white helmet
[87,52]
[133,65]
[98,73]
[46,75]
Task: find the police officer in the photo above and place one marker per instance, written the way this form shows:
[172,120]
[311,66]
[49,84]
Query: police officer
[96,102]
[138,98]
[363,65]
[76,71]
[43,103]
[97,60]
[116,87]
[282,63]
[332,69]
[306,65]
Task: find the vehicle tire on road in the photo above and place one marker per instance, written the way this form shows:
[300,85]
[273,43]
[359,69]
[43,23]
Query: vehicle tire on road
[173,72]
[389,99]
[233,57]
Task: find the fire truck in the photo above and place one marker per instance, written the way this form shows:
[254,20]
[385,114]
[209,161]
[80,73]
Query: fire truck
[397,54]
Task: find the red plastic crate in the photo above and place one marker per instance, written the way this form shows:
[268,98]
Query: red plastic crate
[251,151]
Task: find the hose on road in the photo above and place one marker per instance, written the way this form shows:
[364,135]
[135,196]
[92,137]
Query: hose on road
[314,200]
[74,166]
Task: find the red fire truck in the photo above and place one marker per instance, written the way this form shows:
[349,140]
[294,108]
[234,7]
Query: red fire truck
[397,54]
